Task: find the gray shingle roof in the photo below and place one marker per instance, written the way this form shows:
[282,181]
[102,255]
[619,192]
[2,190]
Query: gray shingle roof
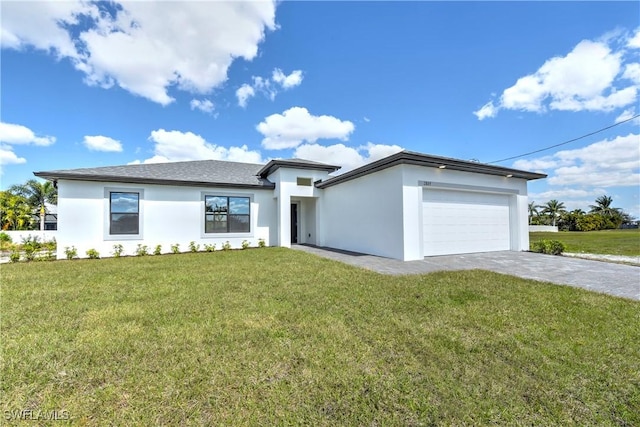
[198,173]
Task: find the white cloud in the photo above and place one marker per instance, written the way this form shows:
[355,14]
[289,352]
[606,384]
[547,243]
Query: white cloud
[13,134]
[264,86]
[592,77]
[487,110]
[102,143]
[527,94]
[296,125]
[347,157]
[626,115]
[204,105]
[366,119]
[144,47]
[25,25]
[287,82]
[175,146]
[566,193]
[606,163]
[634,41]
[268,86]
[616,99]
[244,93]
[632,72]
[540,164]
[18,134]
[8,157]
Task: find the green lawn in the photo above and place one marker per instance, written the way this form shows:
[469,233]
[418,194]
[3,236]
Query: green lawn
[614,242]
[275,336]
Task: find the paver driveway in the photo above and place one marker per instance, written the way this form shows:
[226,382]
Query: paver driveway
[614,279]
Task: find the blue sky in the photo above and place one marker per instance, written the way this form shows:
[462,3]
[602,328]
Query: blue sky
[96,84]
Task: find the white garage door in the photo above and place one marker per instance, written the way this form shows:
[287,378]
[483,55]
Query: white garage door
[460,222]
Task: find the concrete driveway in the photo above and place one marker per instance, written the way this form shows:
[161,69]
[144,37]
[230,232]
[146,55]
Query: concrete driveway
[613,279]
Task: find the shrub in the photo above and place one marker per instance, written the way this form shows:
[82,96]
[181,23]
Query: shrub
[261,243]
[193,247]
[226,246]
[142,250]
[93,254]
[210,248]
[158,250]
[551,247]
[245,244]
[118,249]
[50,255]
[175,248]
[6,242]
[15,256]
[30,245]
[71,252]
[29,253]
[50,245]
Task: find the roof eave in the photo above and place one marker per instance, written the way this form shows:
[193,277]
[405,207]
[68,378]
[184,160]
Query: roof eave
[136,180]
[274,165]
[407,157]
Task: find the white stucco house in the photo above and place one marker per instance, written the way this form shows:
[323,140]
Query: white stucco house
[406,206]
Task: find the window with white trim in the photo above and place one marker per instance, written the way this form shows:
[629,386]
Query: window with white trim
[124,212]
[227,214]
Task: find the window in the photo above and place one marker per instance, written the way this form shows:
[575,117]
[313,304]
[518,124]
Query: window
[124,213]
[303,181]
[226,214]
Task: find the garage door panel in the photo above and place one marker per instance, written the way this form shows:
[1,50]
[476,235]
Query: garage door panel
[465,222]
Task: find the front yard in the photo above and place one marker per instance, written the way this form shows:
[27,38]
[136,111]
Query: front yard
[612,242]
[274,336]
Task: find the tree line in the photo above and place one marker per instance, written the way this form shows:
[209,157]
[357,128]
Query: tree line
[24,206]
[601,216]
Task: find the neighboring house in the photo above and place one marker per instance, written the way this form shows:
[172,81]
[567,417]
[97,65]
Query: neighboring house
[50,218]
[405,206]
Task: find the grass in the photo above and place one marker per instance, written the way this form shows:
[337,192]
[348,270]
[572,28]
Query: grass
[275,336]
[612,242]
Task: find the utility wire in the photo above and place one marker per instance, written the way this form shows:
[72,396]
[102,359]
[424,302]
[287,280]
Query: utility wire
[566,142]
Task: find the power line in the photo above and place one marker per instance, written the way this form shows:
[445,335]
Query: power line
[566,142]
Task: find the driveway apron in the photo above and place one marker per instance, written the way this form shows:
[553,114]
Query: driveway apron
[613,279]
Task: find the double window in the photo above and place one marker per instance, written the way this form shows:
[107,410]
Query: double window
[124,212]
[227,214]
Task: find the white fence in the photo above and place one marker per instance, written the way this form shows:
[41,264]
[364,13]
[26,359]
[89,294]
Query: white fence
[547,228]
[43,236]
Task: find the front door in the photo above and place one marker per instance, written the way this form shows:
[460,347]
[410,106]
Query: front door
[294,223]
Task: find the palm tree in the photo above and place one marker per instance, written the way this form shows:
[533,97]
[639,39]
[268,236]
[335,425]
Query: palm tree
[15,212]
[37,194]
[603,206]
[533,211]
[553,208]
